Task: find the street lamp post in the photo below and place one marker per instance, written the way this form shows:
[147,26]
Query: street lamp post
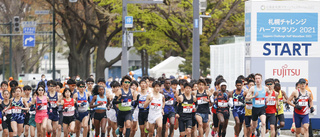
[196,42]
[124,58]
[4,61]
[53,42]
[10,50]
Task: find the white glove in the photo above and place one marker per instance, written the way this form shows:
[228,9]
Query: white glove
[212,99]
[230,102]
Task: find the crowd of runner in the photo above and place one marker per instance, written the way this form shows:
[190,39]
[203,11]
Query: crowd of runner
[155,107]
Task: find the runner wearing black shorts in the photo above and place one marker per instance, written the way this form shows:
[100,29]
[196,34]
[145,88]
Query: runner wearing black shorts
[27,91]
[169,109]
[221,100]
[186,104]
[54,98]
[203,109]
[258,95]
[124,98]
[6,116]
[143,112]
[99,102]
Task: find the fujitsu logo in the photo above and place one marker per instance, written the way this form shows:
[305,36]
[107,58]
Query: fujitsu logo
[285,71]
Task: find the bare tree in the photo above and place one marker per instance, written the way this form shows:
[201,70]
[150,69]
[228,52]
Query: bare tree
[86,25]
[22,58]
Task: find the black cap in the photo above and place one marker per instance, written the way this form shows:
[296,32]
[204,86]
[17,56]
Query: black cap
[302,80]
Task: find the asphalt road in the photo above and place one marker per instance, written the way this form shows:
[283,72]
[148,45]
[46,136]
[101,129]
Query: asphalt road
[230,132]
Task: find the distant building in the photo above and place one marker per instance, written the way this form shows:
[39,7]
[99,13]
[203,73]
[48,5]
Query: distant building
[61,63]
[134,60]
[62,66]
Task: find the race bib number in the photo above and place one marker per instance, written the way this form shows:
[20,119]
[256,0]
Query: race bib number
[8,111]
[141,104]
[249,106]
[16,110]
[202,100]
[53,104]
[260,101]
[32,112]
[187,108]
[272,101]
[126,104]
[82,108]
[71,108]
[43,106]
[156,106]
[103,105]
[169,102]
[280,99]
[303,102]
[237,103]
[222,103]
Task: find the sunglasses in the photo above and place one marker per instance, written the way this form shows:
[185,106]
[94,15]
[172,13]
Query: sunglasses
[40,90]
[269,84]
[82,86]
[127,82]
[52,86]
[90,83]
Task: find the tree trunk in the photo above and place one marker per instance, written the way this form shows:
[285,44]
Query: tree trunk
[147,63]
[79,65]
[142,62]
[101,63]
[17,61]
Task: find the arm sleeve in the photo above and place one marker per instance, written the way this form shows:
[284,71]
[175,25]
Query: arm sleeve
[115,100]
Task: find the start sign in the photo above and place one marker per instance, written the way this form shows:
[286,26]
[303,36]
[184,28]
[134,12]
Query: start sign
[282,41]
[285,49]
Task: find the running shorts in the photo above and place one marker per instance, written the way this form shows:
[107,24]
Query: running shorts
[143,117]
[298,119]
[184,123]
[68,119]
[100,116]
[122,117]
[257,112]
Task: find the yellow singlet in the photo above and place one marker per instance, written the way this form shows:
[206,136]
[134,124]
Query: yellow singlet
[280,99]
[248,108]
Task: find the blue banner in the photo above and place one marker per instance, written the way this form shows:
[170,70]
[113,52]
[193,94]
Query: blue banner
[287,27]
[247,29]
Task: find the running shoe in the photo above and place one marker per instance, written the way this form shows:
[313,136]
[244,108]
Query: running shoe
[117,131]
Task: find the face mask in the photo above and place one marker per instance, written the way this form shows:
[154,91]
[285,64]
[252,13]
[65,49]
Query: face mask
[43,79]
[78,79]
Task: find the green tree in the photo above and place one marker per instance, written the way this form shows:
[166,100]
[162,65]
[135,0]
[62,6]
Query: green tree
[226,20]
